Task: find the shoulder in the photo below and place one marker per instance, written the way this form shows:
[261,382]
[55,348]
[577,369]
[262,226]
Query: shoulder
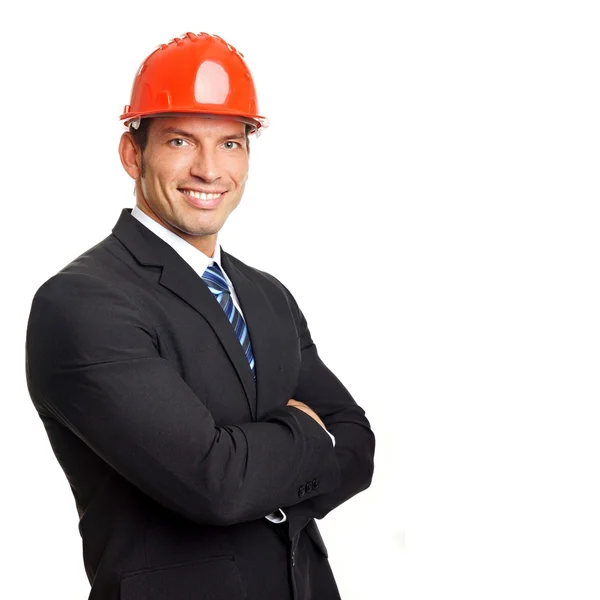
[87,291]
[79,314]
[105,267]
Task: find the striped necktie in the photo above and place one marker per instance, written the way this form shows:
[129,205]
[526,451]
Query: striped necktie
[214,278]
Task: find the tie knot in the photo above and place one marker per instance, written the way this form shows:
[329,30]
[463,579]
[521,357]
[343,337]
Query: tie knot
[215,279]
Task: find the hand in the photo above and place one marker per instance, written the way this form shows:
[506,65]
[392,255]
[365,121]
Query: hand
[308,410]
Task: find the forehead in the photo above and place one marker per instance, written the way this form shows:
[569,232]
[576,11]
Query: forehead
[197,125]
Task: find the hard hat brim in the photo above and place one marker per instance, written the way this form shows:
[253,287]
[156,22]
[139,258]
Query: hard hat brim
[257,121]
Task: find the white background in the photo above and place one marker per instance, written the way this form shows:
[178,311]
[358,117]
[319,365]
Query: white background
[429,192]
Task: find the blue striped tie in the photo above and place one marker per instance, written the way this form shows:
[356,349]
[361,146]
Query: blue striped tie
[213,277]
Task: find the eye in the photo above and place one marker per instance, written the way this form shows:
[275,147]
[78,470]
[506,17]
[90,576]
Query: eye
[177,142]
[231,145]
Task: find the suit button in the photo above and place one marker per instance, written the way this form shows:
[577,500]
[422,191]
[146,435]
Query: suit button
[315,483]
[301,491]
[309,487]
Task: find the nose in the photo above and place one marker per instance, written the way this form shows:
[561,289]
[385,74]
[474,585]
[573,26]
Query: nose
[205,165]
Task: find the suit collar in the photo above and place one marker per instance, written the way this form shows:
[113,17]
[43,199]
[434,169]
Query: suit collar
[147,247]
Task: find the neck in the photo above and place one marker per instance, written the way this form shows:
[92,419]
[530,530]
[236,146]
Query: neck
[204,243]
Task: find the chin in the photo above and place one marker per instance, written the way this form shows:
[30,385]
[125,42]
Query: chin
[200,230]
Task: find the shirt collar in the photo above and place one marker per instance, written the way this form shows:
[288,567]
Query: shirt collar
[194,257]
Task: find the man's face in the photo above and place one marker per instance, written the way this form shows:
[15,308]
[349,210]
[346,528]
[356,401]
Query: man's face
[192,175]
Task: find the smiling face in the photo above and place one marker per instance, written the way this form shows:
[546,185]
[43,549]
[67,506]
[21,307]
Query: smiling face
[191,174]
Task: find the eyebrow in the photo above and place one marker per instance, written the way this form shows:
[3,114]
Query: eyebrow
[184,133]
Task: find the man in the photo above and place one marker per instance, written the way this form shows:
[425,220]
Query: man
[180,388]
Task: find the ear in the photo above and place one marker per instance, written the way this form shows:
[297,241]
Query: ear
[131,157]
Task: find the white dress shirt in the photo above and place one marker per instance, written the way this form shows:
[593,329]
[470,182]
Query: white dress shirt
[199,262]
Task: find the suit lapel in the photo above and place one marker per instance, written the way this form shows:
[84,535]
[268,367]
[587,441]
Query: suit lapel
[258,315]
[185,283]
[178,277]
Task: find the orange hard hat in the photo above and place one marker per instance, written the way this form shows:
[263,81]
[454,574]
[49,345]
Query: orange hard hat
[194,73]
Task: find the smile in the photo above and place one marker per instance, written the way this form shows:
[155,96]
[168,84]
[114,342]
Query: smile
[202,195]
[203,200]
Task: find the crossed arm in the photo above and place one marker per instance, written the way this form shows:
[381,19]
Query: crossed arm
[320,389]
[93,364]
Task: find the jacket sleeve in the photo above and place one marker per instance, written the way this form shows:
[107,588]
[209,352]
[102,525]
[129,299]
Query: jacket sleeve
[354,449]
[93,364]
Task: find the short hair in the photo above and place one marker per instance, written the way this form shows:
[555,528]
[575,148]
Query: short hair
[140,135]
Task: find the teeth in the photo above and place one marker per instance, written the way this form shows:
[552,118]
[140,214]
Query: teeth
[201,195]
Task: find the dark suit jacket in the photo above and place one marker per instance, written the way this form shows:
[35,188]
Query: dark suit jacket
[173,452]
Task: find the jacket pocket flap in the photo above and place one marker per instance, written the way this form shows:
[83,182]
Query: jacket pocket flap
[214,578]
